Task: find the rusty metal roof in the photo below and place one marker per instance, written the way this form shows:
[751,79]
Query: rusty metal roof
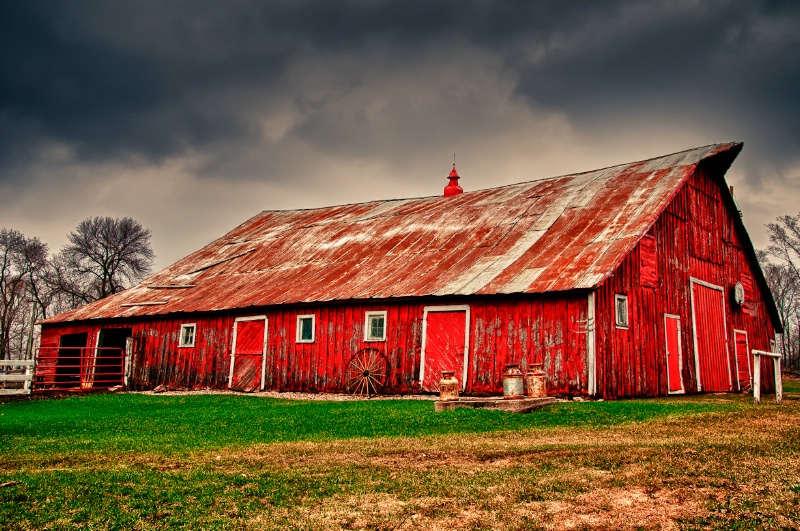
[556,234]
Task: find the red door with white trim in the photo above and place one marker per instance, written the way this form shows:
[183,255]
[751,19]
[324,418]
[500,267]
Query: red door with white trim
[672,329]
[742,359]
[444,345]
[247,358]
[711,349]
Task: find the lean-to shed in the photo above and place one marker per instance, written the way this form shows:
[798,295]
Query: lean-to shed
[634,280]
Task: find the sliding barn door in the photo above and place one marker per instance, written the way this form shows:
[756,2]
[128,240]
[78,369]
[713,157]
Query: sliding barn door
[444,344]
[710,343]
[248,354]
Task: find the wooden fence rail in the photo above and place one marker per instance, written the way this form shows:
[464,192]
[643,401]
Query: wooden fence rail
[15,375]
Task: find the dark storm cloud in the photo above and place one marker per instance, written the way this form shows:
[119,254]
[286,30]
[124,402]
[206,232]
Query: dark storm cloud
[155,79]
[230,107]
[737,63]
[111,78]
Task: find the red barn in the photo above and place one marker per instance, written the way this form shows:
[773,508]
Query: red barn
[634,280]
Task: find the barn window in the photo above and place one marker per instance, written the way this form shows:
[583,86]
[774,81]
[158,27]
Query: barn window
[621,311]
[187,335]
[305,328]
[375,329]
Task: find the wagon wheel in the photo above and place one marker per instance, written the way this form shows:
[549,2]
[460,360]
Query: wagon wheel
[366,372]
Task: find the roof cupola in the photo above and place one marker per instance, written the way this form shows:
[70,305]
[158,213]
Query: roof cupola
[453,188]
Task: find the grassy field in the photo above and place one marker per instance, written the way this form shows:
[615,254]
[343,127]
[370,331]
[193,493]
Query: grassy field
[246,462]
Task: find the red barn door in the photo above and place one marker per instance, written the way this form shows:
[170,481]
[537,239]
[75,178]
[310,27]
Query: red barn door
[247,354]
[444,344]
[710,344]
[742,358]
[672,327]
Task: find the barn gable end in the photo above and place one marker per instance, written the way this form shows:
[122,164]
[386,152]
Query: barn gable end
[699,241]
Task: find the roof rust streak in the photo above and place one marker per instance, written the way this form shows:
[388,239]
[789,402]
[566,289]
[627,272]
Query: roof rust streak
[563,233]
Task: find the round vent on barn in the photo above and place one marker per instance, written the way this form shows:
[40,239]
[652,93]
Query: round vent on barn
[738,294]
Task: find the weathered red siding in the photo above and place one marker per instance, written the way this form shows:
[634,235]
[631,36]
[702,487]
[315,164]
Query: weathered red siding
[696,238]
[157,358]
[547,329]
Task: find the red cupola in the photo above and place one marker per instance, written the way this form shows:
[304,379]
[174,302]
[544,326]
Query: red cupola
[453,188]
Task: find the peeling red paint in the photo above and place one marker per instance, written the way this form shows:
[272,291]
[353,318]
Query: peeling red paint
[555,234]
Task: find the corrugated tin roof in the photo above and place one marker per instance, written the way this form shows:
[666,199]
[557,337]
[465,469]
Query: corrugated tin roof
[556,234]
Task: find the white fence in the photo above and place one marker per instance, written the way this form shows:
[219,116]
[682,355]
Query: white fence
[15,372]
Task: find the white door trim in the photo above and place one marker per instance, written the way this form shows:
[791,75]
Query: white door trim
[747,355]
[680,353]
[263,348]
[455,308]
[591,352]
[693,281]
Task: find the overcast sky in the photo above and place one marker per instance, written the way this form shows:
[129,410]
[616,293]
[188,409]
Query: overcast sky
[192,116]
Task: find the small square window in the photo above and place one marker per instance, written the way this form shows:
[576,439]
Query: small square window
[187,335]
[375,326]
[621,311]
[305,328]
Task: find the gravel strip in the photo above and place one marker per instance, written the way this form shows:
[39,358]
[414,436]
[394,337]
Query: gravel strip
[289,395]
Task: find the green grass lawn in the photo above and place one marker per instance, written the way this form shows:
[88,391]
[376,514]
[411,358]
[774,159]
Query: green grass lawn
[791,385]
[184,424]
[133,461]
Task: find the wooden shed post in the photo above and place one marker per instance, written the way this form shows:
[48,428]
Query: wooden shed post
[126,375]
[591,353]
[776,366]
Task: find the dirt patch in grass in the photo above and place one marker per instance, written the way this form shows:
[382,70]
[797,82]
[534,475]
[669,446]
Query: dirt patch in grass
[612,509]
[697,473]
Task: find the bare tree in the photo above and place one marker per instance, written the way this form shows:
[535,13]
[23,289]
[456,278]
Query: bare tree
[784,280]
[786,291]
[23,292]
[104,256]
[785,239]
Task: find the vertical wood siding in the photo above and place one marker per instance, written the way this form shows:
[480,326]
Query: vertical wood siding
[546,329]
[695,238]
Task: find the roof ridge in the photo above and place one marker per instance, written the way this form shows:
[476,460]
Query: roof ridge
[707,148]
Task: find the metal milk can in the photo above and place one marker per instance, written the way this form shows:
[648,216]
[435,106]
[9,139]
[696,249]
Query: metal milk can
[448,386]
[537,381]
[512,382]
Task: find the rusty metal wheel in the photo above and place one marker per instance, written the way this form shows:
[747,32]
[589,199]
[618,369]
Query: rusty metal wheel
[366,372]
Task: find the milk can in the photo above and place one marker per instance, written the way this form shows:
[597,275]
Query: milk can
[512,382]
[537,381]
[448,386]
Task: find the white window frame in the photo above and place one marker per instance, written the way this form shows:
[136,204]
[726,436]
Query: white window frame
[368,326]
[617,322]
[313,328]
[187,326]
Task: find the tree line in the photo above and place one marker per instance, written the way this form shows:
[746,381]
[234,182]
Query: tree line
[781,265]
[103,256]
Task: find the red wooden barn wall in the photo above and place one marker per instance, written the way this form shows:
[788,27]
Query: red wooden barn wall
[694,238]
[157,358]
[544,329]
